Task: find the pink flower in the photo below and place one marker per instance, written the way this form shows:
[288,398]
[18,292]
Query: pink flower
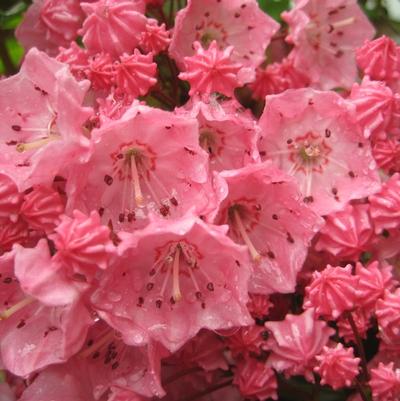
[172,280]
[325,38]
[49,24]
[386,152]
[83,244]
[135,73]
[149,160]
[237,23]
[255,380]
[347,233]
[77,59]
[42,207]
[388,314]
[385,205]
[259,305]
[113,26]
[373,281]
[260,207]
[10,199]
[377,107]
[276,78]
[228,136]
[295,342]
[39,137]
[337,366]
[155,38]
[100,71]
[212,70]
[12,233]
[314,136]
[332,292]
[247,340]
[362,322]
[380,59]
[385,382]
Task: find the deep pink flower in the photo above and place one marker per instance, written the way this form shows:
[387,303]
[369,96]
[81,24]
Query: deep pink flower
[362,322]
[388,314]
[377,107]
[385,205]
[259,305]
[113,26]
[41,208]
[386,152]
[332,291]
[149,160]
[100,71]
[83,244]
[374,279]
[347,233]
[295,342]
[155,38]
[135,73]
[261,207]
[276,78]
[12,233]
[174,278]
[237,23]
[77,58]
[48,24]
[228,136]
[337,366]
[313,136]
[380,59]
[212,70]
[255,380]
[247,340]
[10,199]
[385,382]
[325,37]
[39,137]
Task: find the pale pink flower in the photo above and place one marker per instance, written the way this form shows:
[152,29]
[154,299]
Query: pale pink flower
[39,137]
[337,366]
[10,199]
[182,276]
[260,207]
[228,136]
[325,37]
[155,38]
[295,343]
[149,160]
[313,136]
[212,70]
[83,243]
[48,24]
[380,59]
[332,292]
[255,380]
[41,208]
[385,382]
[377,107]
[237,23]
[77,59]
[385,205]
[347,233]
[388,314]
[113,26]
[135,73]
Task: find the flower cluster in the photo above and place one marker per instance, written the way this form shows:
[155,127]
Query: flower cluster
[163,236]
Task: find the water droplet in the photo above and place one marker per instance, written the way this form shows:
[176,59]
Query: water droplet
[114,296]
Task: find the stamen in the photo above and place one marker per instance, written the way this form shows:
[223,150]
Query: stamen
[136,183]
[176,292]
[253,251]
[15,308]
[23,147]
[97,345]
[344,22]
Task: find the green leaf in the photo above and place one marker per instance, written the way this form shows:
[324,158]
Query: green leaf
[15,50]
[274,7]
[10,18]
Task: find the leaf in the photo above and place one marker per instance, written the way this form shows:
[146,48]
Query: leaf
[10,18]
[274,7]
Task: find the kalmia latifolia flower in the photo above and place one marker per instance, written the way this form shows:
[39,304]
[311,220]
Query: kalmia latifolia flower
[260,208]
[197,202]
[295,342]
[237,23]
[174,278]
[314,137]
[325,37]
[337,366]
[332,291]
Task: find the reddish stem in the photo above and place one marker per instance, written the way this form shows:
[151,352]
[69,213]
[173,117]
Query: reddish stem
[208,390]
